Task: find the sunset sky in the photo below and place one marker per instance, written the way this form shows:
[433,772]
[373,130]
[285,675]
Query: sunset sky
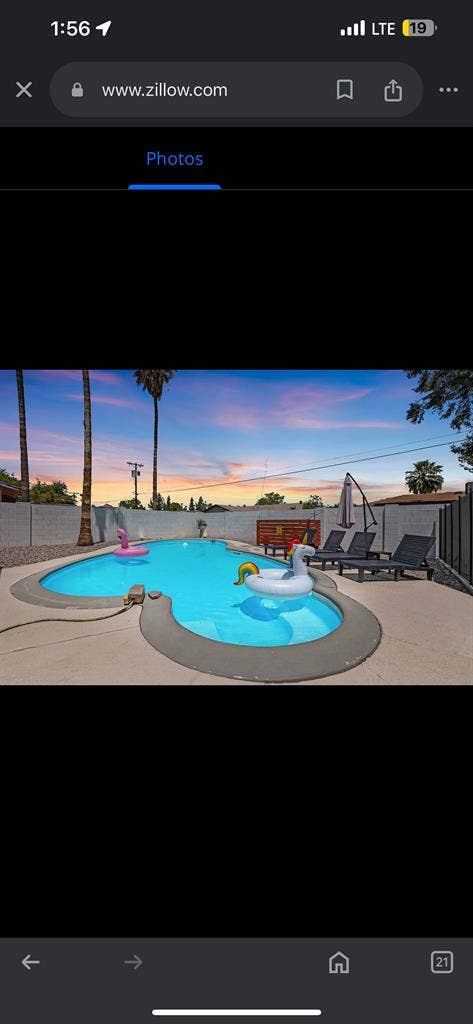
[217,426]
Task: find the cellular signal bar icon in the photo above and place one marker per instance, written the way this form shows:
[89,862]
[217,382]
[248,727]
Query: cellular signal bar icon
[358,29]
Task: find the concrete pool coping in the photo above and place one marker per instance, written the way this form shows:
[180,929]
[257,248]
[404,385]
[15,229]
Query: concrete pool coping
[350,644]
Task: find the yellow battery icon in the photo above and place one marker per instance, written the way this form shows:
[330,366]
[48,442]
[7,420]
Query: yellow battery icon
[418,27]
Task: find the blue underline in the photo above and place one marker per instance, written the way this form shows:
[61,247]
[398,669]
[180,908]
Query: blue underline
[173,188]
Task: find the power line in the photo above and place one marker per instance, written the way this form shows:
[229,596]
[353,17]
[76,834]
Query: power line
[384,448]
[310,469]
[351,455]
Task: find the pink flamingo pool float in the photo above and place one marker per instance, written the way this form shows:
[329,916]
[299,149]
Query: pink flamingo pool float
[125,551]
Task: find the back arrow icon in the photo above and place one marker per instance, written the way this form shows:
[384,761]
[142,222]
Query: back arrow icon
[27,962]
[135,963]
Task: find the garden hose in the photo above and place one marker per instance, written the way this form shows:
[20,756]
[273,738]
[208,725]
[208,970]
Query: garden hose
[96,618]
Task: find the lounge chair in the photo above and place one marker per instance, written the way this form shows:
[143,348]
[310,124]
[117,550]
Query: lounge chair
[359,547]
[411,553]
[332,545]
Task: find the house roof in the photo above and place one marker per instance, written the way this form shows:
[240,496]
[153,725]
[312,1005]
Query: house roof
[9,490]
[293,506]
[421,499]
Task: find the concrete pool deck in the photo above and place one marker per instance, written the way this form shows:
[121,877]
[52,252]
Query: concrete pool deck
[427,637]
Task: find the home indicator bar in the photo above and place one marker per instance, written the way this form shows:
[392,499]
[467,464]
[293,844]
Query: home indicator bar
[236,1013]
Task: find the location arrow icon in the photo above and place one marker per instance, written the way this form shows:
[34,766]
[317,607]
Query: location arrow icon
[104,27]
[135,963]
[28,962]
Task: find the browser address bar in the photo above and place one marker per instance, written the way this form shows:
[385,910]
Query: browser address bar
[237,88]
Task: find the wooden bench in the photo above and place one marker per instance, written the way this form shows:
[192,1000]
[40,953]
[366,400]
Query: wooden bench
[278,534]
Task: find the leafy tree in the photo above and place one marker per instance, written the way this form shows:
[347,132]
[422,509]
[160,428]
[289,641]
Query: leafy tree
[191,505]
[130,503]
[85,530]
[168,503]
[51,494]
[450,394]
[313,501]
[8,478]
[159,503]
[201,505]
[271,498]
[25,476]
[153,381]
[425,478]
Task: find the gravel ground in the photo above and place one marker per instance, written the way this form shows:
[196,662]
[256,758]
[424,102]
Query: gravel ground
[10,557]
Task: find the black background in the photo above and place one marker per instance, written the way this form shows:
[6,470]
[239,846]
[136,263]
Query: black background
[236,811]
[395,157]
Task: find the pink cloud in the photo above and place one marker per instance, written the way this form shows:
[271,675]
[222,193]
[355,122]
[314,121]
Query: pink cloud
[306,397]
[275,404]
[123,403]
[102,376]
[40,432]
[238,418]
[306,422]
[9,455]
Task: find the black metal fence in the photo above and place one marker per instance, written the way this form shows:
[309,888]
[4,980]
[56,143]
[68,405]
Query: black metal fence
[456,535]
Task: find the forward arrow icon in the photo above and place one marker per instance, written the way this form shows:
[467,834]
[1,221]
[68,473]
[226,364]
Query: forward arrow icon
[135,963]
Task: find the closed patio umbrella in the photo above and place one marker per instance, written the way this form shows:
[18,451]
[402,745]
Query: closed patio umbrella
[345,514]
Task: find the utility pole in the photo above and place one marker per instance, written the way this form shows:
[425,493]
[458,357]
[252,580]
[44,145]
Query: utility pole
[135,473]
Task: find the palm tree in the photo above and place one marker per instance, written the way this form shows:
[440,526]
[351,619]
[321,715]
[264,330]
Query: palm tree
[25,476]
[85,532]
[425,478]
[153,382]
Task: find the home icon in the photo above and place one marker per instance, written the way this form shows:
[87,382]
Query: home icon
[339,964]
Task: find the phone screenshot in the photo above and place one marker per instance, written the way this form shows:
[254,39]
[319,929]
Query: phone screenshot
[215,96]
[236,661]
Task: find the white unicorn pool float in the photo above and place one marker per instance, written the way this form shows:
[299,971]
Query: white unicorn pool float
[285,583]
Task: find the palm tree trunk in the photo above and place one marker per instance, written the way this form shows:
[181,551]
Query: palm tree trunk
[85,532]
[155,454]
[25,476]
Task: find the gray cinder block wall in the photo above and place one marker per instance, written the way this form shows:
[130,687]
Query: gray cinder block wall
[22,524]
[15,524]
[330,523]
[393,521]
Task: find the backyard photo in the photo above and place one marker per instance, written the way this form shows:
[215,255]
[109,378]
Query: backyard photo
[236,527]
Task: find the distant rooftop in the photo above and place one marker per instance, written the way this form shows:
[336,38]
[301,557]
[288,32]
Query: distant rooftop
[267,508]
[9,492]
[421,499]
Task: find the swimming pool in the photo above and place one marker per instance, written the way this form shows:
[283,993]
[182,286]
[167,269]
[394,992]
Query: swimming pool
[198,575]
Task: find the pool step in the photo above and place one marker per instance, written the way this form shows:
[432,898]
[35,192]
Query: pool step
[205,627]
[135,595]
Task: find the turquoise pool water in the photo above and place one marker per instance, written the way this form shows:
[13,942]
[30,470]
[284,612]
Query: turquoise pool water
[198,575]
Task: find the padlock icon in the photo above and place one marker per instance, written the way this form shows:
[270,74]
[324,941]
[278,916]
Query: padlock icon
[77,91]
